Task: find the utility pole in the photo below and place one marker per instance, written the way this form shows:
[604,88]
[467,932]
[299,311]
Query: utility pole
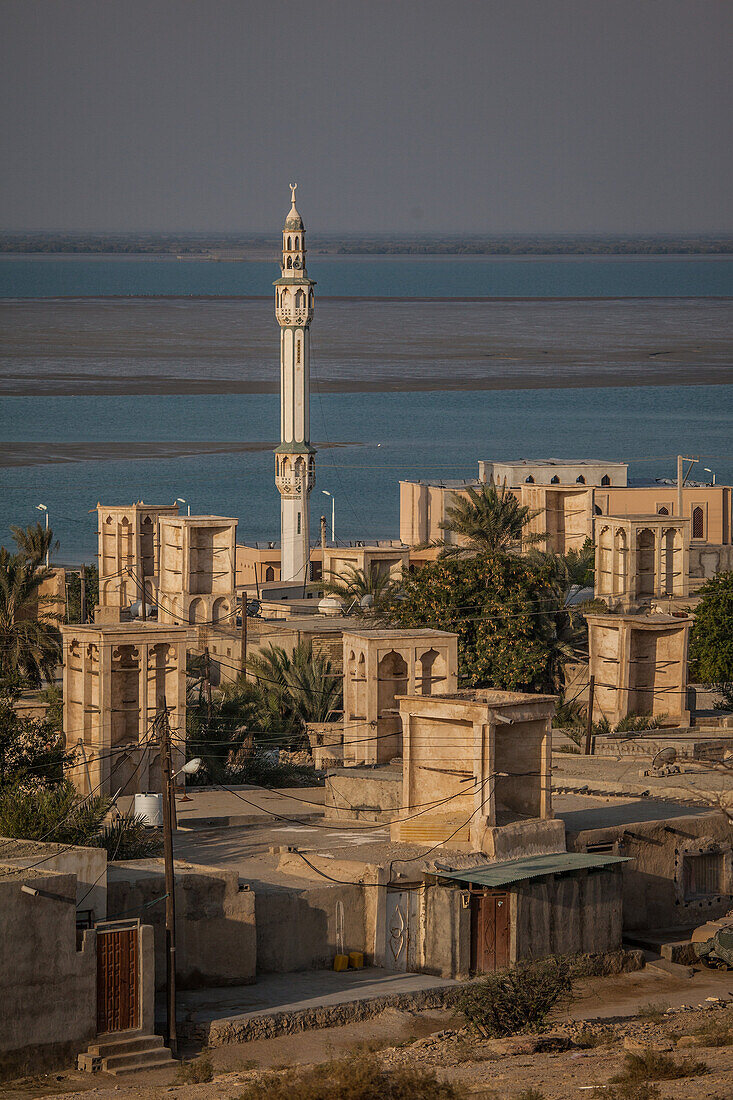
[83,595]
[243,661]
[589,719]
[171,1037]
[682,478]
[207,666]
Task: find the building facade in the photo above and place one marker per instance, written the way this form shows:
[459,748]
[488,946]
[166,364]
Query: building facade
[295,466]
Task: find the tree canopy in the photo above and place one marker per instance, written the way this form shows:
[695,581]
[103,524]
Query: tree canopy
[711,638]
[487,520]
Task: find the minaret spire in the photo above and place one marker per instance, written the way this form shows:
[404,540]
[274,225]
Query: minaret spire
[294,458]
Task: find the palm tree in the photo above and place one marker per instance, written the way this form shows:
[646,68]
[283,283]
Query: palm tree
[487,521]
[362,591]
[34,542]
[299,688]
[31,642]
[564,577]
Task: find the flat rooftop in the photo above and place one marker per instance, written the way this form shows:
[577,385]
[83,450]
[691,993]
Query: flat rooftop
[523,462]
[398,632]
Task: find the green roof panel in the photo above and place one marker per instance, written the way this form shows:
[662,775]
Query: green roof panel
[515,870]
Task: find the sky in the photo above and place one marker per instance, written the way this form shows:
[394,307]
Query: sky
[393,116]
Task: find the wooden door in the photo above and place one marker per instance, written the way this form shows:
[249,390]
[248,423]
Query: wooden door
[489,932]
[117,975]
[403,929]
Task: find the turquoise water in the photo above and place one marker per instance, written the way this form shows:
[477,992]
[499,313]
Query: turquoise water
[50,276]
[119,348]
[438,434]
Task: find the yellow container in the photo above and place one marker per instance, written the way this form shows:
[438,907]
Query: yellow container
[356,960]
[341,962]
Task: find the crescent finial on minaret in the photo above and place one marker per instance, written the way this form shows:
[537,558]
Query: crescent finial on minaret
[293,189]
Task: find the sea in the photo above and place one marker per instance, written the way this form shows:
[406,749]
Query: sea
[138,378]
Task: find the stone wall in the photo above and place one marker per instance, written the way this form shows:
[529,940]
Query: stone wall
[215,919]
[568,915]
[88,865]
[654,885]
[706,561]
[48,989]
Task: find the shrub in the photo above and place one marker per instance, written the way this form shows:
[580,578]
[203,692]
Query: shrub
[639,1091]
[351,1079]
[633,723]
[518,999]
[715,1033]
[196,1072]
[654,1066]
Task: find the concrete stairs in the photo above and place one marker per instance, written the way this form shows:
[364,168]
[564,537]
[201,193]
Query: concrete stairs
[126,1052]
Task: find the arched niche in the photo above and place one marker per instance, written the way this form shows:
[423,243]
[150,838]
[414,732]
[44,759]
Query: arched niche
[645,565]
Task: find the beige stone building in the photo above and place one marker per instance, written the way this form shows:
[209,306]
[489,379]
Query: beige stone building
[477,772]
[570,498]
[129,544]
[640,666]
[387,559]
[379,666]
[197,570]
[641,558]
[116,679]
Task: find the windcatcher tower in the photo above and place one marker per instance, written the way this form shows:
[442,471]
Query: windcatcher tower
[295,467]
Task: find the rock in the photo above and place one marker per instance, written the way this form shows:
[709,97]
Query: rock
[639,1046]
[687,1041]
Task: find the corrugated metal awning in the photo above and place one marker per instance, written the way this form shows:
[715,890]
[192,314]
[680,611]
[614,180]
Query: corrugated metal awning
[515,870]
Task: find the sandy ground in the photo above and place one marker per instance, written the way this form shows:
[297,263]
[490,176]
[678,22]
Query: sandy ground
[434,1040]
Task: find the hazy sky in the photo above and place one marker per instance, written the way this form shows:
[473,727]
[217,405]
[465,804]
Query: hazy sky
[392,115]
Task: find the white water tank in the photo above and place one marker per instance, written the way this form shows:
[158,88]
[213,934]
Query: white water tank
[150,808]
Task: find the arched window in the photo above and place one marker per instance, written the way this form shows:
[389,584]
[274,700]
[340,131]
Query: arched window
[605,480]
[698,523]
[269,573]
[290,244]
[297,242]
[555,480]
[580,480]
[596,510]
[290,262]
[662,510]
[300,299]
[529,480]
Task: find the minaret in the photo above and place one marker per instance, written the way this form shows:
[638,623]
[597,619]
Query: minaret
[295,465]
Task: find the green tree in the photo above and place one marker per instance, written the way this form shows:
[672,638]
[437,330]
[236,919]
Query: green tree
[362,591]
[34,542]
[31,749]
[487,520]
[31,641]
[503,612]
[711,638]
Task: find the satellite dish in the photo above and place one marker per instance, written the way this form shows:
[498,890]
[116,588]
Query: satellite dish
[664,756]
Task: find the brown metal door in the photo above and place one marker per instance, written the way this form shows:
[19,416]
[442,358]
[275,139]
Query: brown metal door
[117,981]
[489,932]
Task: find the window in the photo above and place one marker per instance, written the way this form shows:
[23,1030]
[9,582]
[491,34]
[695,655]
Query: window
[290,245]
[529,480]
[662,510]
[290,262]
[698,523]
[297,242]
[297,352]
[298,522]
[555,480]
[702,875]
[269,573]
[605,480]
[606,848]
[580,480]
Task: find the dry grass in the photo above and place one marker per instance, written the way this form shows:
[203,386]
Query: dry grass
[654,1012]
[360,1078]
[589,1037]
[640,1091]
[654,1066]
[716,1032]
[197,1072]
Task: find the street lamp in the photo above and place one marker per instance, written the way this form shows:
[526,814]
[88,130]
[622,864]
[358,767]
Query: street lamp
[333,513]
[180,500]
[43,508]
[709,471]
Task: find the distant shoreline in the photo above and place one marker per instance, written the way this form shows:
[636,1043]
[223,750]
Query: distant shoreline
[413,257]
